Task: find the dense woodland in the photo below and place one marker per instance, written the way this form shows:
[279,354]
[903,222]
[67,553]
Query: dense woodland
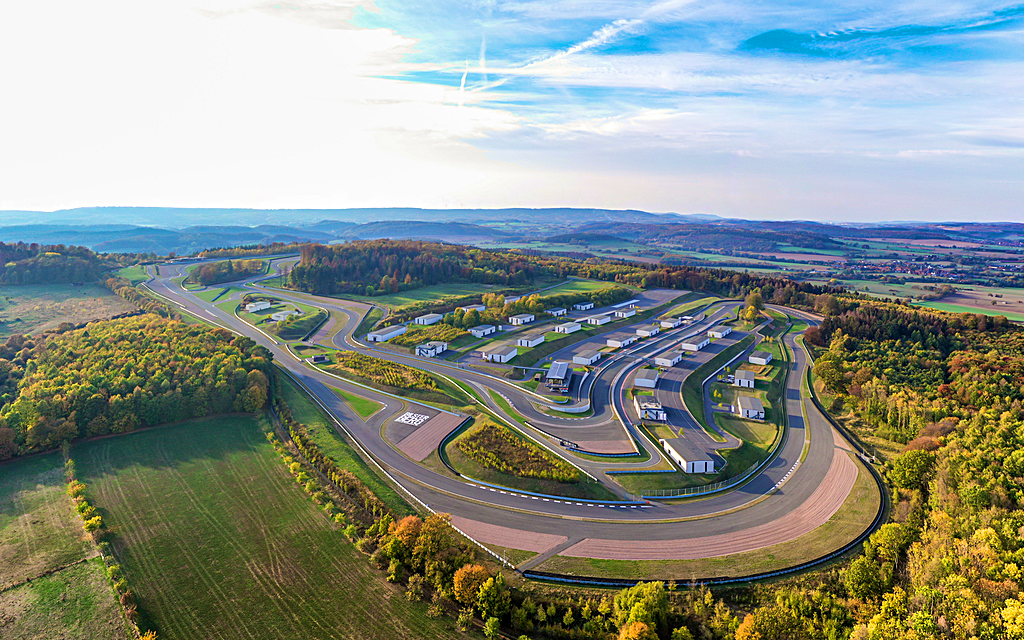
[949,389]
[48,264]
[225,271]
[119,375]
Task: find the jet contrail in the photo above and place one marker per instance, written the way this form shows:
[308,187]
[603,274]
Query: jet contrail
[462,85]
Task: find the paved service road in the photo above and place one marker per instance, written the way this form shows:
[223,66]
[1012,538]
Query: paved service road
[788,498]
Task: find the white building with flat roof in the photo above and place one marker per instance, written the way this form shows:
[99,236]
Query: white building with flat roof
[649,409]
[557,311]
[670,359]
[621,340]
[431,349]
[759,357]
[530,340]
[689,457]
[587,357]
[647,332]
[670,323]
[281,316]
[719,332]
[695,343]
[625,312]
[522,318]
[559,376]
[473,307]
[646,378]
[429,318]
[568,327]
[599,320]
[482,330]
[499,353]
[260,305]
[744,379]
[750,407]
[385,334]
[583,306]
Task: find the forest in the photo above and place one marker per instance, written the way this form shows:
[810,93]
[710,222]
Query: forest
[948,391]
[225,271]
[120,375]
[48,264]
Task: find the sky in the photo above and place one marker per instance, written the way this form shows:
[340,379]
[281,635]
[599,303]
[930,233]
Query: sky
[850,112]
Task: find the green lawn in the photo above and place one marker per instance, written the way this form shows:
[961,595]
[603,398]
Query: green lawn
[363,406]
[134,274]
[75,602]
[39,529]
[694,301]
[424,294]
[693,394]
[371,318]
[959,308]
[580,286]
[334,445]
[218,541]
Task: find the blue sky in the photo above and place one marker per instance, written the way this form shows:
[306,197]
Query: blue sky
[836,111]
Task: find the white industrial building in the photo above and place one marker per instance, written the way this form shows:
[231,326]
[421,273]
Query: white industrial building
[253,307]
[500,353]
[750,407]
[481,330]
[522,318]
[587,357]
[670,359]
[599,320]
[385,334]
[568,327]
[281,316]
[472,307]
[531,340]
[511,299]
[647,332]
[670,323]
[695,343]
[557,311]
[646,378]
[628,312]
[759,357]
[689,458]
[649,409]
[628,304]
[429,318]
[744,379]
[431,349]
[621,340]
[719,332]
[583,306]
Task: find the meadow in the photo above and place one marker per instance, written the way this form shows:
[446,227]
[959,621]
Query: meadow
[32,309]
[52,585]
[218,541]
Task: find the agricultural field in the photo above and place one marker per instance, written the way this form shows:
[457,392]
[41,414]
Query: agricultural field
[32,309]
[218,541]
[134,274]
[52,585]
[578,285]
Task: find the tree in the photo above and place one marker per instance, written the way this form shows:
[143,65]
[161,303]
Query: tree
[467,582]
[755,301]
[646,602]
[863,579]
[637,631]
[491,628]
[910,469]
[493,600]
[770,622]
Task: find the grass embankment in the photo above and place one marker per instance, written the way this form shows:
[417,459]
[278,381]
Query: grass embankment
[690,302]
[335,446]
[49,588]
[34,308]
[856,514]
[432,293]
[693,391]
[371,318]
[395,378]
[363,406]
[134,274]
[419,334]
[219,541]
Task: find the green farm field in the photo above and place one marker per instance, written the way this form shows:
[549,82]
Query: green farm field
[425,294]
[32,309]
[52,584]
[579,285]
[218,541]
[134,274]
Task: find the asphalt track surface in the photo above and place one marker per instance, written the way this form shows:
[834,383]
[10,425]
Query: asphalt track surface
[782,502]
